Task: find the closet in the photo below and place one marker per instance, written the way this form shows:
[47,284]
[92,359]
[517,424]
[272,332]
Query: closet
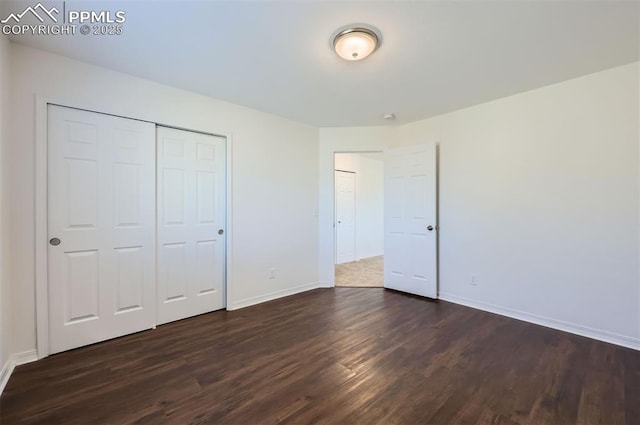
[136,225]
[191,214]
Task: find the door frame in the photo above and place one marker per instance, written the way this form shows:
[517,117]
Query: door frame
[334,246]
[41,212]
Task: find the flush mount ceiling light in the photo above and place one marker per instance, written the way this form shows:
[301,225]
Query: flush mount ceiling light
[355,43]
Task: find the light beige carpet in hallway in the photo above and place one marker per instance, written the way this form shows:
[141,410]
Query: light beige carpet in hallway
[367,272]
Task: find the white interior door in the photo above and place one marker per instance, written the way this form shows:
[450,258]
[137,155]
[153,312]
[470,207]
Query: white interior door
[345,216]
[191,224]
[101,224]
[410,241]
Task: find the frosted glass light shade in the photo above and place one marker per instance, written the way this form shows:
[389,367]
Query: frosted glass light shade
[354,44]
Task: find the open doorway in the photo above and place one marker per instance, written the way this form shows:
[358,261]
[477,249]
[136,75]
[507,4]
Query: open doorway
[359,221]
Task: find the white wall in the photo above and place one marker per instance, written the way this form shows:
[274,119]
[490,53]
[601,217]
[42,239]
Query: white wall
[370,216]
[5,304]
[369,170]
[539,196]
[539,192]
[275,175]
[332,140]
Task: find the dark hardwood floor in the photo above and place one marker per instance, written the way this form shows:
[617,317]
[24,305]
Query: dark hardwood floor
[334,356]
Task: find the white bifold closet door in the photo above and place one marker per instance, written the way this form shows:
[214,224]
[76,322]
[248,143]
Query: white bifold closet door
[191,224]
[101,222]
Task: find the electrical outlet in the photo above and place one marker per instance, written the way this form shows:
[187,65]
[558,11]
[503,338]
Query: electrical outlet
[474,280]
[272,273]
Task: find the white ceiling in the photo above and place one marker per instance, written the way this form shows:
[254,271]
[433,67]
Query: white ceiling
[435,56]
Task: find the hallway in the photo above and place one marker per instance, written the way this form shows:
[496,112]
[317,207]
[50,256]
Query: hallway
[366,273]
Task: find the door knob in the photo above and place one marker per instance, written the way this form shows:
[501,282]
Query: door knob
[220,231]
[430,228]
[54,241]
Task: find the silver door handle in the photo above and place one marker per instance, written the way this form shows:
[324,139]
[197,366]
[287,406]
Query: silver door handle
[54,241]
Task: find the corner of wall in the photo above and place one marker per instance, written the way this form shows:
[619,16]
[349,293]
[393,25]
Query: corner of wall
[7,359]
[12,362]
[247,302]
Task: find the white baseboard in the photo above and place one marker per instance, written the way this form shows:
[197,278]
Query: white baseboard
[246,302]
[11,363]
[548,322]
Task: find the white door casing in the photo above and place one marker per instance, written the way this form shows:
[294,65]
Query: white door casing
[345,190]
[191,223]
[410,222]
[101,180]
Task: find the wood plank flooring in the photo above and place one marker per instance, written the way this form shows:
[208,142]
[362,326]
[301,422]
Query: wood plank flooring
[334,356]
